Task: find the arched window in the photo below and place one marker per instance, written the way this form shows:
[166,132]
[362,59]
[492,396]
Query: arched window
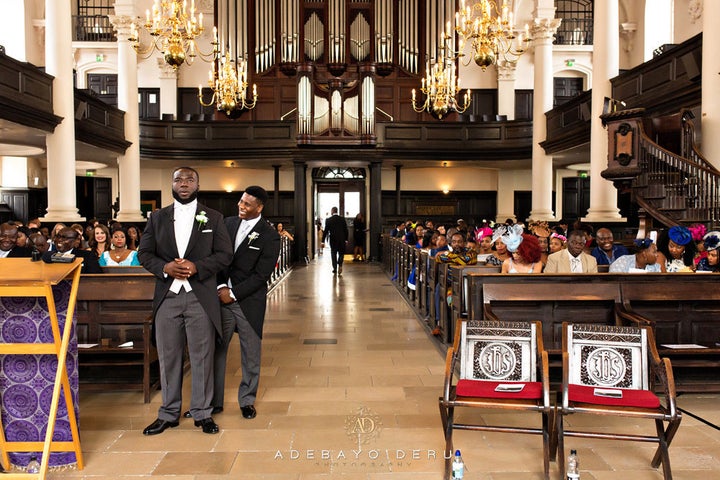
[576,27]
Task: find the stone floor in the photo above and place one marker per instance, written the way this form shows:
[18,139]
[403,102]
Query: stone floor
[349,389]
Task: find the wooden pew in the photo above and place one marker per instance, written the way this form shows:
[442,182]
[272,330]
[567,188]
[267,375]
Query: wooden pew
[685,311]
[117,307]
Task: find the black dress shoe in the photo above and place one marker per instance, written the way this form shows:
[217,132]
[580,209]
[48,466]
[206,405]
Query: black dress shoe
[248,411]
[187,414]
[217,410]
[208,425]
[159,426]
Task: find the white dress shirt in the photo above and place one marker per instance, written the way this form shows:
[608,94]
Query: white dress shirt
[184,221]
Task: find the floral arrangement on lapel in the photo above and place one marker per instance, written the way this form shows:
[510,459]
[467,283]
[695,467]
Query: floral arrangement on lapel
[252,236]
[202,219]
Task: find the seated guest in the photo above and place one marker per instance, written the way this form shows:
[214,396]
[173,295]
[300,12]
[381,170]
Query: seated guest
[81,242]
[676,250]
[606,252]
[572,259]
[460,254]
[100,241]
[501,252]
[557,242]
[483,237]
[64,242]
[284,233]
[542,232]
[120,255]
[8,243]
[398,231]
[698,231]
[526,254]
[133,237]
[23,237]
[645,260]
[441,245]
[710,262]
[39,242]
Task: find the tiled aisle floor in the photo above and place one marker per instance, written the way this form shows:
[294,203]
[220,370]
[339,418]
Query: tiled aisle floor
[344,354]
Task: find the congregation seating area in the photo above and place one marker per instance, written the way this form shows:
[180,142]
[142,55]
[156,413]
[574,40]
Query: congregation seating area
[681,309]
[114,327]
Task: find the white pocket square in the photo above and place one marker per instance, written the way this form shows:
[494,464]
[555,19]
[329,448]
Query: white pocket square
[207,231]
[253,248]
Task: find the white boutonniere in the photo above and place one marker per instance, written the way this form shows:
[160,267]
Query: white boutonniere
[201,218]
[253,236]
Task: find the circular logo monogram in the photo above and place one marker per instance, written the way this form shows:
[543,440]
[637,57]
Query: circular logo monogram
[497,361]
[605,366]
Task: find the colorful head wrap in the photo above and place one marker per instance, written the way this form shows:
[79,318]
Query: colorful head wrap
[482,232]
[698,231]
[680,235]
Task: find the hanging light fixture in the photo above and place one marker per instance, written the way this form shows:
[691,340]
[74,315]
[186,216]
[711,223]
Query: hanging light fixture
[441,86]
[173,32]
[491,33]
[229,86]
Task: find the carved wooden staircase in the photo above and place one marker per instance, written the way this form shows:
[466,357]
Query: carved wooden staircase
[657,158]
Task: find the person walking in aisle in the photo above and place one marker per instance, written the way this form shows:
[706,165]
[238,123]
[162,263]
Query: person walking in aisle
[185,245]
[336,229]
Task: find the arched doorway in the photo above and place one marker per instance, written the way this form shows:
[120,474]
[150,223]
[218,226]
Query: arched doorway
[342,187]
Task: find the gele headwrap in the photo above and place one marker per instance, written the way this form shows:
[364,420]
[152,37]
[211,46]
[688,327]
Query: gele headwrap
[711,240]
[698,231]
[643,243]
[680,235]
[482,232]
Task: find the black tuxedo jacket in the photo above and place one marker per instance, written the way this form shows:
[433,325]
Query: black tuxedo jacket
[252,264]
[336,229]
[19,252]
[90,261]
[209,249]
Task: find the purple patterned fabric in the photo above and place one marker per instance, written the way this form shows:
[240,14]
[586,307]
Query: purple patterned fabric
[26,381]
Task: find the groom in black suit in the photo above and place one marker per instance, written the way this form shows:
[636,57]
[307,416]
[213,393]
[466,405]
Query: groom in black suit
[185,245]
[242,289]
[336,229]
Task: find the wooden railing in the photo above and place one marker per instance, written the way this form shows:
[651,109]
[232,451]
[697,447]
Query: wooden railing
[672,189]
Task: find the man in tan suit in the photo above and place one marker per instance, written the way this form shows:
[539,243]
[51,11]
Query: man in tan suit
[572,259]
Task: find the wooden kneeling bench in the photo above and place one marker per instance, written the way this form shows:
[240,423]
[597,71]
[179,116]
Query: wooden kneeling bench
[115,308]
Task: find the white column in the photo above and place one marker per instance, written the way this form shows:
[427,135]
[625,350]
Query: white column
[129,163]
[61,143]
[168,87]
[506,89]
[606,60]
[711,83]
[542,169]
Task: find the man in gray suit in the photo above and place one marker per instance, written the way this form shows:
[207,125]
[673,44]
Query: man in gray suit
[572,259]
[242,289]
[185,245]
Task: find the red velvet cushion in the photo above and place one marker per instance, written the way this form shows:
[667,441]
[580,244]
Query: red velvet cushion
[486,389]
[630,398]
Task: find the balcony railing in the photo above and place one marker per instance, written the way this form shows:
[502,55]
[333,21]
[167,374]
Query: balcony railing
[575,31]
[93,28]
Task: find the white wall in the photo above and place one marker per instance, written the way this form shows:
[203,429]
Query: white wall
[435,179]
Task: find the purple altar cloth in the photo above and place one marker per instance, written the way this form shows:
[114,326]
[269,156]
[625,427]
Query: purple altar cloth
[26,381]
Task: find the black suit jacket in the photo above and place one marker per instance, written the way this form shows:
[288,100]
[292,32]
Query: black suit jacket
[90,261]
[19,252]
[209,249]
[336,229]
[252,264]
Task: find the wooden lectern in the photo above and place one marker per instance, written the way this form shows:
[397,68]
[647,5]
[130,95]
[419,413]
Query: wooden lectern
[24,278]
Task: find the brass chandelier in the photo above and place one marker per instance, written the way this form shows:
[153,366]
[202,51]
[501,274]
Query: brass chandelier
[173,32]
[229,86]
[441,86]
[491,33]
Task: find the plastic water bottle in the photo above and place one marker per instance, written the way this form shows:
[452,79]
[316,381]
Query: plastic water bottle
[573,466]
[33,465]
[458,466]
